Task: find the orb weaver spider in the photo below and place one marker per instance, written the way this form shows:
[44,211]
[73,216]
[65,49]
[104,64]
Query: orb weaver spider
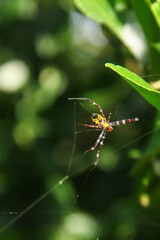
[101,122]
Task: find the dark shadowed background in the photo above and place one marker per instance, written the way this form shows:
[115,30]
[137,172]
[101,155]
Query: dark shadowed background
[50,51]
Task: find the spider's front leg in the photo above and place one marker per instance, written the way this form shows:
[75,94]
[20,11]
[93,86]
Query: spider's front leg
[96,143]
[91,126]
[100,145]
[91,101]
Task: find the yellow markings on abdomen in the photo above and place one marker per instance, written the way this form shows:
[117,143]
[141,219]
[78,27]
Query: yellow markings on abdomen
[106,124]
[99,120]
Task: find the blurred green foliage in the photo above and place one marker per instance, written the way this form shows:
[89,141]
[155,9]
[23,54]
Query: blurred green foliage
[50,50]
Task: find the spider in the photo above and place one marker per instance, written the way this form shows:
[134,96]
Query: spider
[103,123]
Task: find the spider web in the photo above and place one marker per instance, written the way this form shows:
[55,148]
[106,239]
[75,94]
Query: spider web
[18,215]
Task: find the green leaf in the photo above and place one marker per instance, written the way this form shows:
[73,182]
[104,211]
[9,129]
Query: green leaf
[102,12]
[105,12]
[155,8]
[147,20]
[149,94]
[156,46]
[148,16]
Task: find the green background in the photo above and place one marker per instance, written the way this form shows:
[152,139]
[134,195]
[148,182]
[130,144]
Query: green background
[54,50]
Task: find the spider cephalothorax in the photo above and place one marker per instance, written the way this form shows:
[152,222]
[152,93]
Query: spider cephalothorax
[100,122]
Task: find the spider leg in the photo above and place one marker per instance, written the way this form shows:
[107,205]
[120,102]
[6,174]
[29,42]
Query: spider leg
[91,126]
[99,149]
[96,143]
[124,121]
[91,101]
[115,107]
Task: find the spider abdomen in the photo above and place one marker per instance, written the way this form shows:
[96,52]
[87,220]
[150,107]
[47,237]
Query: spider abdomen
[99,120]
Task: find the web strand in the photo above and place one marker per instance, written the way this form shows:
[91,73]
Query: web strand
[64,179]
[30,206]
[74,140]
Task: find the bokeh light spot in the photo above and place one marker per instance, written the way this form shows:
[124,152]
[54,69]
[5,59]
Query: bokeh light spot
[13,76]
[144,200]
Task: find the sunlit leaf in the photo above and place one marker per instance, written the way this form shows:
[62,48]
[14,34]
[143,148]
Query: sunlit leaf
[152,96]
[106,12]
[155,8]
